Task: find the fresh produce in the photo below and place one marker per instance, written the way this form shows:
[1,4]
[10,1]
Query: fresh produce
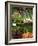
[21,22]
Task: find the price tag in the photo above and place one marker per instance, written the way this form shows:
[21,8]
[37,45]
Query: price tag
[14,24]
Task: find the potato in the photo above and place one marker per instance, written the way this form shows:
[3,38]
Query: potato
[30,35]
[25,35]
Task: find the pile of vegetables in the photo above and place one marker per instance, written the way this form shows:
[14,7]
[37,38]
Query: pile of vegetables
[22,19]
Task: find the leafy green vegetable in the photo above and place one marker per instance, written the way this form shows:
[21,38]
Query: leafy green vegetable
[19,17]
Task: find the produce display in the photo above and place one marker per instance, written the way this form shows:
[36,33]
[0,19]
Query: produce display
[21,22]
